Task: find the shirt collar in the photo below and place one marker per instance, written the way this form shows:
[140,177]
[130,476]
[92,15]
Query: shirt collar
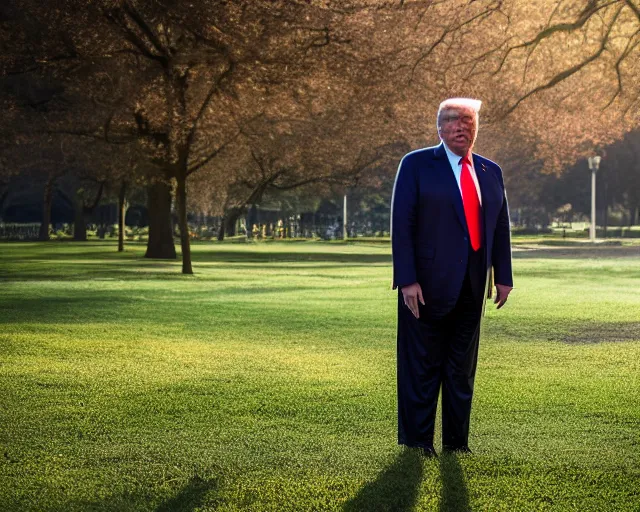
[456,158]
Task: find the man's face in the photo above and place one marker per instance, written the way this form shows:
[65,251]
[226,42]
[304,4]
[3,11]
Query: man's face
[458,127]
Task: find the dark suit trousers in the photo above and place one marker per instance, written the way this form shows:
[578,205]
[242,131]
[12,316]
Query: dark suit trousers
[435,353]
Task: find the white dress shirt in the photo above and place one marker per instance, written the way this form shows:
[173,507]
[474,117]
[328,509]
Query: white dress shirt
[454,160]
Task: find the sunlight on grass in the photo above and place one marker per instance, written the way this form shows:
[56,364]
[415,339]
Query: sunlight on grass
[266,381]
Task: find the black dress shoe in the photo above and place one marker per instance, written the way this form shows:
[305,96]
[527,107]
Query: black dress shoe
[456,449]
[429,452]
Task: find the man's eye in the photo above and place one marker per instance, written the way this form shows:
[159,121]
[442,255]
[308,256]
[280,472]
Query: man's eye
[464,119]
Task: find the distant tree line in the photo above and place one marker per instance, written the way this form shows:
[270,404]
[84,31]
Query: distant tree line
[210,108]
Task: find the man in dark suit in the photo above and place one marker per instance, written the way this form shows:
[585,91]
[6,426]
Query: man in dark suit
[449,227]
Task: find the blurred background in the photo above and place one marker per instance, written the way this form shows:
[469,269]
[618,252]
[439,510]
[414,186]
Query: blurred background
[171,121]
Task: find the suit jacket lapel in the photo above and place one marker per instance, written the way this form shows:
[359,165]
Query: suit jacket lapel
[485,184]
[450,179]
[481,174]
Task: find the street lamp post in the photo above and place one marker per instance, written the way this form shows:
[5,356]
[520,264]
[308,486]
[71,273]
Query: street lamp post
[344,219]
[594,163]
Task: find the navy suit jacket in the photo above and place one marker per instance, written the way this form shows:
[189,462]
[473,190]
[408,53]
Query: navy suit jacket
[429,235]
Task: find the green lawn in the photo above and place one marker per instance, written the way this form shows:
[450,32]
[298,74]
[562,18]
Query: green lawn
[266,381]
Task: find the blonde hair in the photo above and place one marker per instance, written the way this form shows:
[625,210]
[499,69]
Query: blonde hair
[459,102]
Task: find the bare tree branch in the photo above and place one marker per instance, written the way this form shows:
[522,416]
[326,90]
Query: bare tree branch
[563,75]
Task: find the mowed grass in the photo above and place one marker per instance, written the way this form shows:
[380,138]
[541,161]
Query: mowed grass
[266,382]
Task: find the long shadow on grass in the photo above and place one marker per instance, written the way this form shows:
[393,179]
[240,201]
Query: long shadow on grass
[196,493]
[105,271]
[117,305]
[91,264]
[105,253]
[455,497]
[127,305]
[572,332]
[294,256]
[583,252]
[396,488]
[190,497]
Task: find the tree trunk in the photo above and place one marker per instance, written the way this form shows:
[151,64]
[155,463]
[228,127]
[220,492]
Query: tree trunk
[185,243]
[231,219]
[632,215]
[230,224]
[302,226]
[46,210]
[221,229]
[122,211]
[287,227]
[79,222]
[605,211]
[252,218]
[160,243]
[81,211]
[4,192]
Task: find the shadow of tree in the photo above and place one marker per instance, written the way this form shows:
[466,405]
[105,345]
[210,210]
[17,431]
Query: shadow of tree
[226,256]
[455,497]
[395,489]
[582,251]
[196,493]
[566,331]
[190,497]
[76,263]
[105,254]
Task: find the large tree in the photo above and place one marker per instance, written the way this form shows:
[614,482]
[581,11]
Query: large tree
[274,94]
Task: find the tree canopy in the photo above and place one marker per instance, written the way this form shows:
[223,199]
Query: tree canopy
[240,98]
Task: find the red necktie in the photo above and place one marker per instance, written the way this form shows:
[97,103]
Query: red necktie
[471,204]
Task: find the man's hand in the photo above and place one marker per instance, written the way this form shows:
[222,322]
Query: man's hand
[502,292]
[412,294]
